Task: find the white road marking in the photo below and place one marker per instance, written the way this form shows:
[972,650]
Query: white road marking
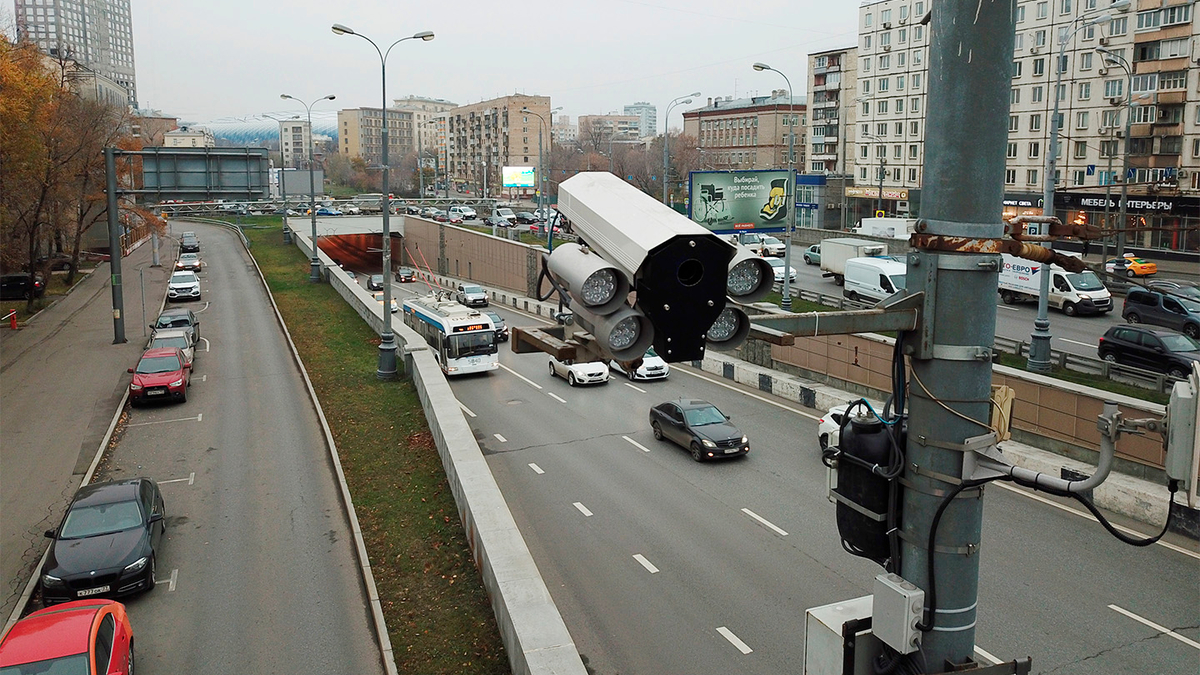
[1162,629]
[202,308]
[635,388]
[1011,309]
[206,344]
[1077,342]
[536,469]
[500,438]
[173,579]
[986,654]
[746,393]
[556,397]
[181,419]
[582,509]
[1088,516]
[734,640]
[637,445]
[466,409]
[765,522]
[204,378]
[191,479]
[528,381]
[645,563]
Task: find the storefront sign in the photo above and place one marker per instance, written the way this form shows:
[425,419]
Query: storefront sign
[873,193]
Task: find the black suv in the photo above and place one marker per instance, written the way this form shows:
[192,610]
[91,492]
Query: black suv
[21,286]
[1158,350]
[1168,308]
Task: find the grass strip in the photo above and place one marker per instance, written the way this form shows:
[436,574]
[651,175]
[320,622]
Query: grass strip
[437,610]
[1096,381]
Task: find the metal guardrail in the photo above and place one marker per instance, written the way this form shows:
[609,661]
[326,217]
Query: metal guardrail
[221,223]
[1117,372]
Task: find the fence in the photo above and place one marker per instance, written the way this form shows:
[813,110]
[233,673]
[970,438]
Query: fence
[1085,364]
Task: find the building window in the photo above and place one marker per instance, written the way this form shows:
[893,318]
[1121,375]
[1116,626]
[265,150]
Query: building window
[1146,51]
[1016,69]
[1035,122]
[1140,146]
[899,105]
[1118,26]
[1142,114]
[1014,96]
[1081,120]
[883,81]
[902,34]
[1144,83]
[1031,176]
[881,106]
[1176,79]
[1020,18]
[916,80]
[1171,145]
[867,20]
[881,129]
[1085,61]
[914,103]
[1039,38]
[914,129]
[1170,114]
[1018,42]
[1037,94]
[899,129]
[1085,91]
[912,151]
[1080,149]
[1173,49]
[916,57]
[1012,150]
[1035,149]
[1010,176]
[1149,20]
[1196,147]
[1064,6]
[1079,176]
[1108,149]
[1110,118]
[1043,10]
[1114,88]
[1014,123]
[1039,67]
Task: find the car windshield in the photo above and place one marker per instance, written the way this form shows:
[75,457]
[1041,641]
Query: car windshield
[472,289]
[495,318]
[698,417]
[187,257]
[775,262]
[183,278]
[173,322]
[771,240]
[1136,260]
[377,277]
[1192,292]
[1179,343]
[897,281]
[158,364]
[169,342]
[1085,281]
[89,521]
[405,270]
[470,344]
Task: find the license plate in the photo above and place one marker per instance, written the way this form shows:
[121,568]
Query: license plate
[155,392]
[92,591]
[730,451]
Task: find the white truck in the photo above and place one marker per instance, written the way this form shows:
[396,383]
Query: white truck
[890,228]
[835,252]
[1071,292]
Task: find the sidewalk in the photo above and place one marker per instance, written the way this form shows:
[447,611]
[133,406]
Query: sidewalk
[61,380]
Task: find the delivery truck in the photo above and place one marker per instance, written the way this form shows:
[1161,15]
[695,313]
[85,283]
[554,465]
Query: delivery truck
[835,253]
[890,228]
[1071,292]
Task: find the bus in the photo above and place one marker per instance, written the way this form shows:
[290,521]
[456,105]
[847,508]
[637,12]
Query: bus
[462,339]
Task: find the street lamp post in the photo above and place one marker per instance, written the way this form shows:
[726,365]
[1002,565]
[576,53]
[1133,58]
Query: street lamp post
[791,186]
[387,340]
[287,233]
[684,100]
[1114,59]
[314,274]
[1039,345]
[542,174]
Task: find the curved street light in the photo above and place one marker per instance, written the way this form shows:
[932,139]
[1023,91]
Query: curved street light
[667,136]
[387,339]
[791,186]
[314,268]
[541,174]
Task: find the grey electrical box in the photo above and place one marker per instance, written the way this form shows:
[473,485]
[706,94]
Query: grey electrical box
[1182,432]
[898,605]
[838,640]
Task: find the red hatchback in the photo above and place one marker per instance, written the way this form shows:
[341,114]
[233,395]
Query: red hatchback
[84,636]
[160,374]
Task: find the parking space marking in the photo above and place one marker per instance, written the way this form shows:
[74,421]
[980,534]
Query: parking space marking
[466,410]
[202,308]
[582,509]
[635,388]
[173,579]
[637,445]
[528,381]
[191,479]
[206,345]
[645,563]
[204,378]
[734,640]
[556,397]
[197,418]
[500,438]
[1162,629]
[765,522]
[536,469]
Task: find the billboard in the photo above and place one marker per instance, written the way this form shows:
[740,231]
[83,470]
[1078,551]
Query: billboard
[519,176]
[739,201]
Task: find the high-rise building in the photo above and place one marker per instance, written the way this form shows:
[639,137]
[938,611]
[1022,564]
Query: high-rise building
[360,134]
[647,115]
[832,91]
[97,34]
[294,137]
[563,131]
[496,134]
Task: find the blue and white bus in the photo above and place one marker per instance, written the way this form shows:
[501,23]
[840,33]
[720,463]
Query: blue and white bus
[462,339]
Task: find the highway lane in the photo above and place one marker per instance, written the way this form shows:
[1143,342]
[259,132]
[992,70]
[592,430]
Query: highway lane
[258,572]
[1048,576]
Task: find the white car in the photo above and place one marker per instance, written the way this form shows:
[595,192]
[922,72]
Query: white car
[379,298]
[652,368]
[506,213]
[175,337]
[829,426]
[773,247]
[777,266]
[183,286]
[351,210]
[593,372]
[466,212]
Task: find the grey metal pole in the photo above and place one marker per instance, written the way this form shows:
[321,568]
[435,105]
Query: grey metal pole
[845,201]
[1107,201]
[420,167]
[114,244]
[963,193]
[786,304]
[879,196]
[387,340]
[667,140]
[142,284]
[314,267]
[1122,224]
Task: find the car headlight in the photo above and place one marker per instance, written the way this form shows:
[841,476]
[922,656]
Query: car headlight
[49,580]
[137,565]
[177,383]
[745,440]
[135,387]
[709,444]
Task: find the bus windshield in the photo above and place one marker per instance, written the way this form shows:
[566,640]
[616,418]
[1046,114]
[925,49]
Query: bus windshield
[476,343]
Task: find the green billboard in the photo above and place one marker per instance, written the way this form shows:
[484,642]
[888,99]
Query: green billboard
[739,201]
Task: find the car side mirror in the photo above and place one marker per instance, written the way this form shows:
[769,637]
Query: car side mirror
[129,370]
[155,517]
[49,534]
[151,326]
[727,418]
[1159,349]
[187,366]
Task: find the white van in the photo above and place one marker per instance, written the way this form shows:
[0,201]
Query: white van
[873,279]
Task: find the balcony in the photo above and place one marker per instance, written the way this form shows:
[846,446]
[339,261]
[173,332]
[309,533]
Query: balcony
[828,86]
[823,104]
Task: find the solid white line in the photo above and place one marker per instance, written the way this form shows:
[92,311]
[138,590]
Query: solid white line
[582,509]
[174,578]
[466,409]
[500,438]
[206,345]
[635,388]
[181,419]
[528,381]
[1011,309]
[746,393]
[733,640]
[637,445]
[1088,516]
[190,479]
[986,654]
[764,521]
[1161,629]
[645,563]
[556,397]
[536,469]
[1077,342]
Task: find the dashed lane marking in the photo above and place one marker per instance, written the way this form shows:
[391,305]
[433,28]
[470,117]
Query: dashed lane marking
[635,388]
[197,418]
[734,640]
[768,524]
[637,445]
[191,479]
[556,397]
[582,509]
[500,438]
[1162,629]
[466,410]
[173,579]
[528,381]
[536,469]
[645,563]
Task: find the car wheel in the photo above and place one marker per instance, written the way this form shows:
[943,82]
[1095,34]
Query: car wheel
[571,379]
[1133,317]
[1192,330]
[1069,308]
[696,452]
[1008,297]
[632,375]
[183,396]
[1178,372]
[823,441]
[150,580]
[658,435]
[807,260]
[552,373]
[1130,273]
[1109,356]
[853,296]
[129,661]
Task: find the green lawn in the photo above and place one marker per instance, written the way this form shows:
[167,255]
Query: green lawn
[437,610]
[56,287]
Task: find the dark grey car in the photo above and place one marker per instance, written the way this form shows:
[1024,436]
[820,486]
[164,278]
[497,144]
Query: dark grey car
[700,427]
[1170,309]
[1158,350]
[179,317]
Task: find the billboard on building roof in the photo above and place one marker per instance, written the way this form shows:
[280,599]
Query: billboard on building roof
[519,176]
[739,201]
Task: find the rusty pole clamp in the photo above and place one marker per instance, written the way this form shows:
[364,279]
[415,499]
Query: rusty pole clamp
[1019,245]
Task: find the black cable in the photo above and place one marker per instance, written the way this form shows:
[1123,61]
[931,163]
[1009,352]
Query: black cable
[1172,485]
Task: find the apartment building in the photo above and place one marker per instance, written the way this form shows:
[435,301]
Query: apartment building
[647,115]
[294,137]
[97,34]
[189,137]
[563,131]
[360,134]
[495,134]
[428,125]
[748,133]
[832,104]
[595,131]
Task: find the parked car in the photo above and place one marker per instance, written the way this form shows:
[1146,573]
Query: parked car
[189,244]
[183,286]
[54,262]
[471,295]
[1131,267]
[428,212]
[698,426]
[453,218]
[772,247]
[350,273]
[405,275]
[812,256]
[829,427]
[21,286]
[441,216]
[653,367]
[350,210]
[466,212]
[107,542]
[175,338]
[88,637]
[178,317]
[1158,350]
[375,282]
[1157,308]
[412,209]
[526,218]
[540,228]
[592,372]
[159,375]
[379,298]
[872,280]
[497,221]
[329,211]
[777,266]
[544,214]
[188,262]
[501,328]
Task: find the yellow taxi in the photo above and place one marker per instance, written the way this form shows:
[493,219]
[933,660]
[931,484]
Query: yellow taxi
[1131,267]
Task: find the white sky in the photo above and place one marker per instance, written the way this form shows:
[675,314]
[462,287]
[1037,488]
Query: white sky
[201,61]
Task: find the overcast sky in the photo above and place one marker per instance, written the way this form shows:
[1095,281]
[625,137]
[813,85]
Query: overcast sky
[201,61]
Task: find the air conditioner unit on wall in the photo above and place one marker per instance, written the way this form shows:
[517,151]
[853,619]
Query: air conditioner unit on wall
[887,25]
[1034,49]
[887,48]
[1103,41]
[1102,72]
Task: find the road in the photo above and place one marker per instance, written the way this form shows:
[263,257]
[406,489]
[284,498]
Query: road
[258,573]
[659,564]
